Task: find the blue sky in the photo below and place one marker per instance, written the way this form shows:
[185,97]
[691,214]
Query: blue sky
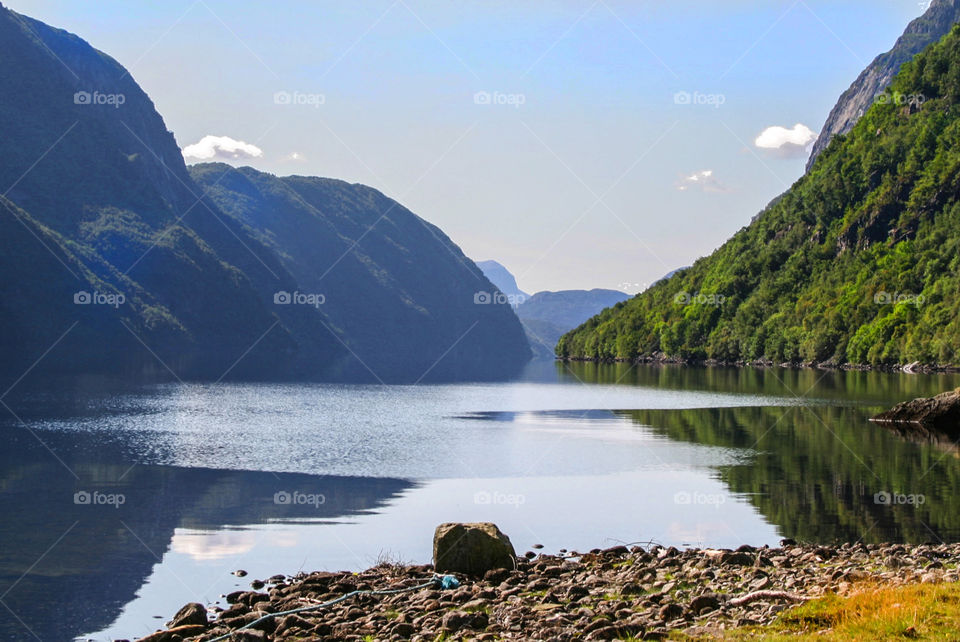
[545,135]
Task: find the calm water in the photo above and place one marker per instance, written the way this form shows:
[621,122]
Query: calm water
[120,504]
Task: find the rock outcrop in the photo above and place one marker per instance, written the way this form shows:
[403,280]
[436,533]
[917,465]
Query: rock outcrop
[854,102]
[941,413]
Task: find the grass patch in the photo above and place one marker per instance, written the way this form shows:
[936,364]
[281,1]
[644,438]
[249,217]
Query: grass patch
[915,612]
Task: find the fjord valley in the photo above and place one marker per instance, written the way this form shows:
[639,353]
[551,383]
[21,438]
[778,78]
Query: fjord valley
[254,386]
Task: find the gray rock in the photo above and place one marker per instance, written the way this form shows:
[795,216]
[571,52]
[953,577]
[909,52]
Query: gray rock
[192,613]
[928,28]
[472,549]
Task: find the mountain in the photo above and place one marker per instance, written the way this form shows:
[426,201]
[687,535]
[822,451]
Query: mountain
[403,285]
[114,259]
[504,281]
[859,262]
[547,316]
[936,22]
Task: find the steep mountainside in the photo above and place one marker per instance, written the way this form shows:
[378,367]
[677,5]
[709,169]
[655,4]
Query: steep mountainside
[858,262]
[113,259]
[403,284]
[939,17]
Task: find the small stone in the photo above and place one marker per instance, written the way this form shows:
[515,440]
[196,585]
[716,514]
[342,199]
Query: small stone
[670,612]
[240,572]
[454,620]
[704,603]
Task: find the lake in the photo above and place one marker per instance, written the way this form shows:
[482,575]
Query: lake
[123,502]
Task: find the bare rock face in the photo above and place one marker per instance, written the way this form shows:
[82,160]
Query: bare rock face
[472,549]
[941,412]
[854,102]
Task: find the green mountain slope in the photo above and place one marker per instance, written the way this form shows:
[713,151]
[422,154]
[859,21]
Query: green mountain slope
[858,262]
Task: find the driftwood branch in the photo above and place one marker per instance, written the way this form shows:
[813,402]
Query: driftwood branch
[766,595]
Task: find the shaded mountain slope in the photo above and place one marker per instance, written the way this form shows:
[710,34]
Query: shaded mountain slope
[396,288]
[96,203]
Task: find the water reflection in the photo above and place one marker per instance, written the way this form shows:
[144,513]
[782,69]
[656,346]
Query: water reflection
[845,385]
[812,470]
[827,474]
[70,558]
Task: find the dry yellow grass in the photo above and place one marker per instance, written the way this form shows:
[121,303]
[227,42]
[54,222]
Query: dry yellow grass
[914,612]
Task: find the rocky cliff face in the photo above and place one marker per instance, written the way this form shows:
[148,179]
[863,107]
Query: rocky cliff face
[853,103]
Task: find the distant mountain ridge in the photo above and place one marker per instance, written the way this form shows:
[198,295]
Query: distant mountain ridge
[936,22]
[546,315]
[506,283]
[115,258]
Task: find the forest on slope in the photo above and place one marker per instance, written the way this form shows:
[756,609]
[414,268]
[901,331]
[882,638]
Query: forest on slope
[856,263]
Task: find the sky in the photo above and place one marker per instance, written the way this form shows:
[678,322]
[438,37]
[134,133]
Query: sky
[587,144]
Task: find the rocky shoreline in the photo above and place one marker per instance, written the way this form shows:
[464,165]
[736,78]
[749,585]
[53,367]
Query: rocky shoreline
[659,358]
[615,593]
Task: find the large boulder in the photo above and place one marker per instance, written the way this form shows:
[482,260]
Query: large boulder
[192,613]
[472,549]
[941,412]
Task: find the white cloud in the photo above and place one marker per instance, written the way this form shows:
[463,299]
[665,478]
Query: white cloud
[787,143]
[221,148]
[704,181]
